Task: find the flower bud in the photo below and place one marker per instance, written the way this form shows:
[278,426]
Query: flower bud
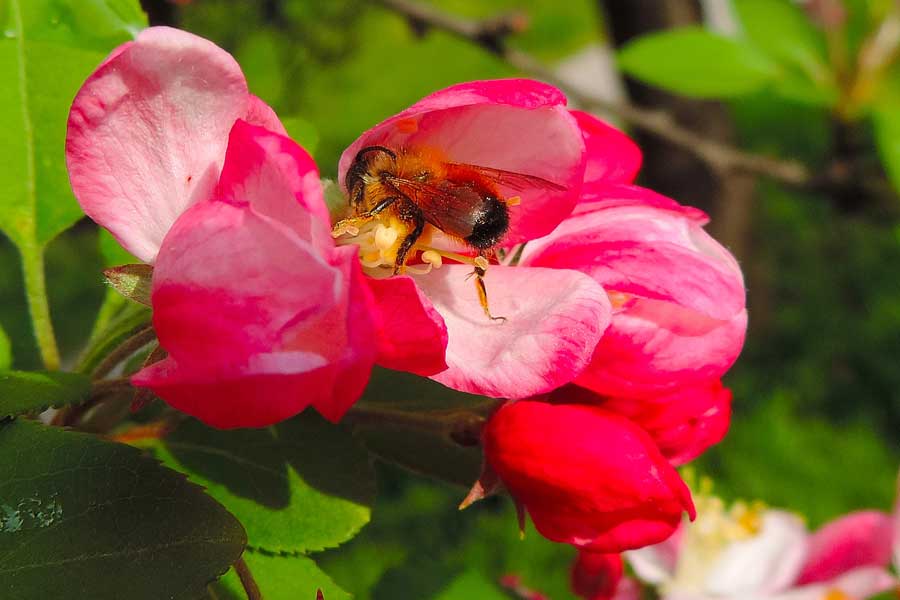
[585,475]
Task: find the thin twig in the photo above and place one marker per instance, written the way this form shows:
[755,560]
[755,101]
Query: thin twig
[491,36]
[246,577]
[137,341]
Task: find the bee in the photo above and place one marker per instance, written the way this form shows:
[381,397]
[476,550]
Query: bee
[420,187]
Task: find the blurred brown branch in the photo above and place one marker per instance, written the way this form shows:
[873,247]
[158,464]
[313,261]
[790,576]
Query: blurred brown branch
[491,35]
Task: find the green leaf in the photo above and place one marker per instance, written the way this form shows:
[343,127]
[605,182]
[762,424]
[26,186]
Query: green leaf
[301,486]
[886,120]
[127,321]
[471,584]
[695,62]
[784,32]
[112,252]
[404,391]
[5,351]
[79,515]
[48,49]
[34,391]
[304,133]
[280,577]
[132,281]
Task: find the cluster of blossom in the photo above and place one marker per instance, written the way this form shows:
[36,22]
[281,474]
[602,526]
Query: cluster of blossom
[621,313]
[748,552]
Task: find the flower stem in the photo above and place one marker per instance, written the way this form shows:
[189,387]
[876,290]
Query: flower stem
[246,577]
[460,425]
[131,345]
[36,296]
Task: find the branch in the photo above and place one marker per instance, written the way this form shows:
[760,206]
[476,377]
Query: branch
[491,35]
[247,581]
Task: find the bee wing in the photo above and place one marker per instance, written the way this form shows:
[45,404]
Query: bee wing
[510,179]
[448,207]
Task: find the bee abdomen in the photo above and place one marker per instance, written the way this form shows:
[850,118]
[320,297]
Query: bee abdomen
[490,224]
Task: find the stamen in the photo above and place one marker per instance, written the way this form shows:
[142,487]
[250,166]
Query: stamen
[432,258]
[481,262]
[514,201]
[385,237]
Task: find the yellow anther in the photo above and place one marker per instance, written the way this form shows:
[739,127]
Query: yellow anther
[432,258]
[835,594]
[385,237]
[514,201]
[482,263]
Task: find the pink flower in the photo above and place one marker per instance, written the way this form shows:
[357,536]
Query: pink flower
[586,476]
[679,316]
[752,552]
[683,423]
[261,315]
[554,317]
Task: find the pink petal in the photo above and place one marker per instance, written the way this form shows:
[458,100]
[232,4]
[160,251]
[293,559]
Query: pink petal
[679,313]
[857,584]
[656,564]
[257,322]
[411,333]
[278,179]
[147,133]
[612,156]
[514,124]
[859,539]
[261,114]
[554,319]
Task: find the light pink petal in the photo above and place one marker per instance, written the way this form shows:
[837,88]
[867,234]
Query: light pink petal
[277,179]
[678,296]
[766,563]
[656,564]
[858,584]
[242,303]
[554,319]
[261,114]
[514,124]
[859,539]
[612,156]
[147,133]
[411,333]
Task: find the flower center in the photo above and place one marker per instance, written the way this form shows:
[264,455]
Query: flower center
[705,540]
[379,241]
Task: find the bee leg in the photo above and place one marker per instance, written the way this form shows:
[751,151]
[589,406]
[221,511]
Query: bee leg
[479,273]
[345,225]
[419,219]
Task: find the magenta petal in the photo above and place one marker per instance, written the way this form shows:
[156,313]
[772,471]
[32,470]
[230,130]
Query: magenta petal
[859,539]
[679,304]
[515,124]
[554,319]
[411,333]
[612,156]
[278,179]
[243,304]
[147,133]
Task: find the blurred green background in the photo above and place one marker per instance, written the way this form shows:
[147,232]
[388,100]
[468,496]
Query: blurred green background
[817,390]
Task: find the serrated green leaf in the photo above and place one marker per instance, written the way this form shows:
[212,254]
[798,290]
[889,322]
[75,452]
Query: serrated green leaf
[131,281]
[301,486]
[48,49]
[280,577]
[696,62]
[83,516]
[471,584]
[35,391]
[5,351]
[886,120]
[423,453]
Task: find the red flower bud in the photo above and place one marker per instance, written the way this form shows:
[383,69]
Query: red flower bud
[587,476]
